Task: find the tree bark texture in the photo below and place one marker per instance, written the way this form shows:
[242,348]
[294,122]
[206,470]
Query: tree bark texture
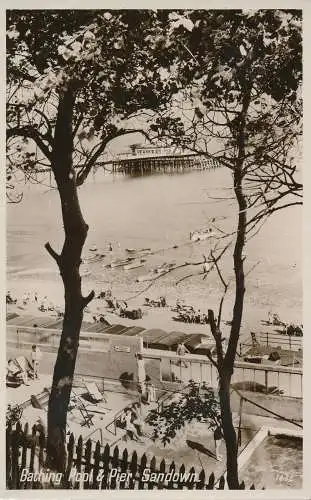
[68,261]
[228,431]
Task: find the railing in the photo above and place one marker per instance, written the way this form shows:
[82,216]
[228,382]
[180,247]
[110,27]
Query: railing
[89,467]
[114,422]
[174,368]
[275,339]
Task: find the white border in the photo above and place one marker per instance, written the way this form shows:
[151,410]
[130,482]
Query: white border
[170,4]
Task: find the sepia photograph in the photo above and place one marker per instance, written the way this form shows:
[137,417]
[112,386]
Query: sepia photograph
[154,327]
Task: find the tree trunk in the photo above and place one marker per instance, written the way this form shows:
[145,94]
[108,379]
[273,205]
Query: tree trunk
[227,366]
[228,431]
[68,262]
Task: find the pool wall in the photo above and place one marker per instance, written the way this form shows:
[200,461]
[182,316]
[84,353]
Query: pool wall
[292,408]
[259,438]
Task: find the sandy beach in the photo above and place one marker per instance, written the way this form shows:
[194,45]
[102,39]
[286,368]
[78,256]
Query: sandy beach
[153,317]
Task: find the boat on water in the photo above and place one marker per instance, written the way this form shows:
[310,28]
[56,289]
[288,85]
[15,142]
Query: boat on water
[121,262]
[201,235]
[150,276]
[137,250]
[163,268]
[134,265]
[93,258]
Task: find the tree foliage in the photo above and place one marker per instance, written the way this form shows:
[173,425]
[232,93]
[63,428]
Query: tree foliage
[112,60]
[235,60]
[194,403]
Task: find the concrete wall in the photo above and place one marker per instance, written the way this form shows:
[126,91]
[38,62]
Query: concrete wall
[99,355]
[291,408]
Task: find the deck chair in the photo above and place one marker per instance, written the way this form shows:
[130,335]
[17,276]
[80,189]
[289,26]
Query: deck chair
[80,406]
[15,370]
[93,392]
[24,364]
[13,375]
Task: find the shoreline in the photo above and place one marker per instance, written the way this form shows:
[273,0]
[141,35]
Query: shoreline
[160,318]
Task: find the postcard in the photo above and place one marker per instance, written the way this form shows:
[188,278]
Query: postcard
[154,234]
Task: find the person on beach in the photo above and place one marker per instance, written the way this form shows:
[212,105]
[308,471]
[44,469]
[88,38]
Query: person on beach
[26,298]
[206,267]
[9,298]
[44,304]
[35,360]
[163,301]
[218,435]
[36,296]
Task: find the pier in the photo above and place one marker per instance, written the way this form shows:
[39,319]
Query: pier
[150,159]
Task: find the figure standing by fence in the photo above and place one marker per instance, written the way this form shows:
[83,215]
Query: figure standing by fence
[181,351]
[141,373]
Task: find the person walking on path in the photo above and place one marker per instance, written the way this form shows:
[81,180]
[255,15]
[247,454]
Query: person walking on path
[181,351]
[35,359]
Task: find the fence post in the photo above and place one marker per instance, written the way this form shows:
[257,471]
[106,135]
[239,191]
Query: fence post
[78,460]
[180,483]
[151,484]
[191,480]
[211,481]
[32,455]
[88,465]
[221,483]
[41,449]
[133,470]
[96,466]
[124,467]
[114,465]
[24,450]
[106,461]
[162,470]
[201,483]
[172,467]
[142,467]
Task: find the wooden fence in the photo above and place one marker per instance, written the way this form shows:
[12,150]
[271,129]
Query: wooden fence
[95,467]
